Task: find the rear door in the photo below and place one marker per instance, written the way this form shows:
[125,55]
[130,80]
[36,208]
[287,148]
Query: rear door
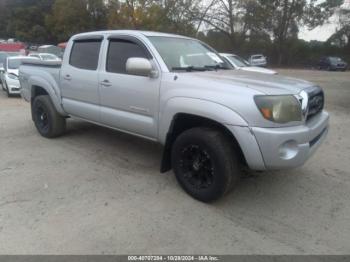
[79,79]
[128,102]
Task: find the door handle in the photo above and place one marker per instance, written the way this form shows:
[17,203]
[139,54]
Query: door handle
[106,83]
[67,77]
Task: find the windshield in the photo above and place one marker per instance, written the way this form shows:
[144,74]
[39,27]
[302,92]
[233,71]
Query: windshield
[14,63]
[238,61]
[181,53]
[335,59]
[3,57]
[48,57]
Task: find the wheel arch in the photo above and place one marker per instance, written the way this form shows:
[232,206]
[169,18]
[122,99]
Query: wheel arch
[199,113]
[41,86]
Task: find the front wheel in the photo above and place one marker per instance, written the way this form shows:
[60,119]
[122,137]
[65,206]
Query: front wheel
[48,121]
[7,90]
[205,163]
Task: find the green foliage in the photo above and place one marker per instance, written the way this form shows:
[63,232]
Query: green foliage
[67,18]
[163,16]
[244,27]
[25,20]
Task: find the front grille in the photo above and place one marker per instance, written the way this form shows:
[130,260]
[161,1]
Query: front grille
[316,103]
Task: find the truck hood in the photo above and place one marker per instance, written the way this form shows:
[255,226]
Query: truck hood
[263,83]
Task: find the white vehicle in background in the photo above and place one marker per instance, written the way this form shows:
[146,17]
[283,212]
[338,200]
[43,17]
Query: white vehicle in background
[45,57]
[9,74]
[3,56]
[241,64]
[258,60]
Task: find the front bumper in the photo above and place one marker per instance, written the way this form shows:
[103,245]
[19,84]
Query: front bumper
[14,90]
[281,148]
[13,86]
[291,147]
[338,67]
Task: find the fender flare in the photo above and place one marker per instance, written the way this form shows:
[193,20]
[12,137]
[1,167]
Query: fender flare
[196,107]
[51,88]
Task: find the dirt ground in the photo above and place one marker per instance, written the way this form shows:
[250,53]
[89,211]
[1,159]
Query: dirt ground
[97,191]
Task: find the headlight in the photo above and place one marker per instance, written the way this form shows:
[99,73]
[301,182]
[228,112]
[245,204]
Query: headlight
[279,109]
[12,76]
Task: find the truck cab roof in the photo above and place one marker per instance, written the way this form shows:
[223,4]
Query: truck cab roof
[128,32]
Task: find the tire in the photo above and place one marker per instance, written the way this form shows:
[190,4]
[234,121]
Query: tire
[48,121]
[205,163]
[7,90]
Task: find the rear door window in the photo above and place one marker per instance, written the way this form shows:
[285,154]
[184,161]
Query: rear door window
[85,54]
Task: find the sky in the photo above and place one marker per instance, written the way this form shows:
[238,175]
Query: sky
[322,33]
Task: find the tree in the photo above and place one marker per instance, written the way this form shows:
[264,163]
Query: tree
[242,21]
[25,19]
[3,18]
[70,17]
[284,17]
[225,16]
[98,13]
[167,16]
[342,11]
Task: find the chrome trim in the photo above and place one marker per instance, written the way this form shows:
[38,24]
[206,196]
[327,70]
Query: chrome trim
[304,99]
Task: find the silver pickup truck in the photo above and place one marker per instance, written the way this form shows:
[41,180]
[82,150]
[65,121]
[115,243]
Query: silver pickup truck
[211,119]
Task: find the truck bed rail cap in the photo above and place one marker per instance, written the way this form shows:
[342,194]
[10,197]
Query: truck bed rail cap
[27,61]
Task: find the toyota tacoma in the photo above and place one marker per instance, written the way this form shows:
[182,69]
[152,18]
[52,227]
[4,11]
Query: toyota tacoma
[211,119]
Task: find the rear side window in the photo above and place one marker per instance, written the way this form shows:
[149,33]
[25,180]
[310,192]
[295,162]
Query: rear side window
[119,52]
[85,54]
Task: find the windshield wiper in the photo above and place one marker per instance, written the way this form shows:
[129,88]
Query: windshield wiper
[216,67]
[190,68]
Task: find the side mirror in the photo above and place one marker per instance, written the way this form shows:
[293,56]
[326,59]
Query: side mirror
[2,69]
[140,67]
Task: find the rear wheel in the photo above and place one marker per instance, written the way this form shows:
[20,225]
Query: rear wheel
[48,121]
[205,163]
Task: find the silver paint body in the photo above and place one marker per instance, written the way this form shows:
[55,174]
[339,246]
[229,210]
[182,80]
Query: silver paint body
[146,106]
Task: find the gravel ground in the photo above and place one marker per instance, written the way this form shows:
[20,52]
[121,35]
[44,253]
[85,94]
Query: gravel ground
[97,191]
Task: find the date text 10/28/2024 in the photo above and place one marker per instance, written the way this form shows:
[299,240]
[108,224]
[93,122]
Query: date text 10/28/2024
[173,258]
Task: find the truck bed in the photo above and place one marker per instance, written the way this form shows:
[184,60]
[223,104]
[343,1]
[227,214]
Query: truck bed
[48,70]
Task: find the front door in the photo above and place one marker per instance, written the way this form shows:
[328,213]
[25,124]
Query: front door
[128,102]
